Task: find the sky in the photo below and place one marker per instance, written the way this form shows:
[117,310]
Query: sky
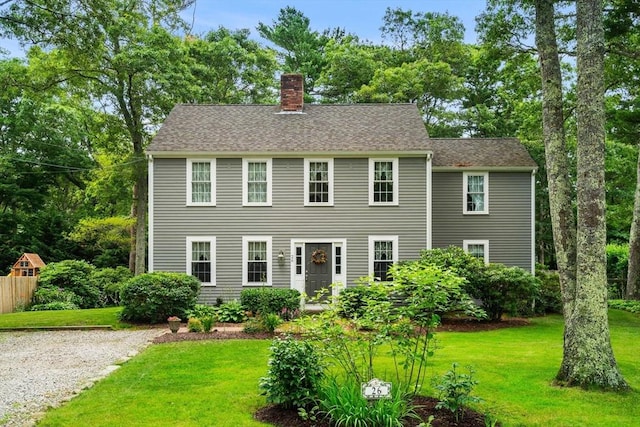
[360,17]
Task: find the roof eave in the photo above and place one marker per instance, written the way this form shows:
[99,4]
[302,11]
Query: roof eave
[485,168]
[287,154]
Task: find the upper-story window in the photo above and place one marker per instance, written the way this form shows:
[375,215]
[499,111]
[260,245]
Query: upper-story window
[476,192]
[256,185]
[201,258]
[383,181]
[201,182]
[383,252]
[318,186]
[477,248]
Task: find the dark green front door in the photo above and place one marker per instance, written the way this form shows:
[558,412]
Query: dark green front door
[318,272]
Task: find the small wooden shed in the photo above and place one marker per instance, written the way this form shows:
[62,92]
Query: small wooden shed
[27,265]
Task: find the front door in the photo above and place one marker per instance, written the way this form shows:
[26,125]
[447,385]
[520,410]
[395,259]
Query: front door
[318,268]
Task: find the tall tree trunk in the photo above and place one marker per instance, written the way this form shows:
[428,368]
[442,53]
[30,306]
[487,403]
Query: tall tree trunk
[588,358]
[580,246]
[557,164]
[633,272]
[141,213]
[132,232]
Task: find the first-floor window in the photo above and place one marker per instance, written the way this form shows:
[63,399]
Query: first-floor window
[383,252]
[477,248]
[257,260]
[201,258]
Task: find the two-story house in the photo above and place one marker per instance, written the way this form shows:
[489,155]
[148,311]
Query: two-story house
[302,196]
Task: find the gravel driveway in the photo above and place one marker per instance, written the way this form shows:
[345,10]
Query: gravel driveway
[45,368]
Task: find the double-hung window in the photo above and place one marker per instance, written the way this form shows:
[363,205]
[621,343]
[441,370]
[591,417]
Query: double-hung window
[383,181]
[476,193]
[383,252]
[256,260]
[256,182]
[201,182]
[201,256]
[477,248]
[318,186]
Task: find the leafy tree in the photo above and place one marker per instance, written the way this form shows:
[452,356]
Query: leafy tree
[302,48]
[117,54]
[350,65]
[243,71]
[622,29]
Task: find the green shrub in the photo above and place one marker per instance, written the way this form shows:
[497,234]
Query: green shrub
[270,300]
[153,297]
[294,375]
[501,289]
[74,276]
[550,297]
[194,325]
[631,306]
[231,312]
[262,323]
[207,323]
[55,305]
[509,290]
[455,258]
[46,295]
[353,301]
[110,281]
[617,264]
[201,310]
[454,391]
[205,313]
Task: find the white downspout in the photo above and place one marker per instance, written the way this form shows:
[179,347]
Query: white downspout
[429,196]
[150,213]
[533,222]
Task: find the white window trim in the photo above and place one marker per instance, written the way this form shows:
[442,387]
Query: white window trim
[485,243]
[372,240]
[396,180]
[245,250]
[465,187]
[245,179]
[212,242]
[212,172]
[306,182]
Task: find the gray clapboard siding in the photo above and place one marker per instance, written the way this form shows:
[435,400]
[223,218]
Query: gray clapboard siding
[350,218]
[507,226]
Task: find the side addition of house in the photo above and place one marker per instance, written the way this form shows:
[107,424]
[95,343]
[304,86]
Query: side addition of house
[302,196]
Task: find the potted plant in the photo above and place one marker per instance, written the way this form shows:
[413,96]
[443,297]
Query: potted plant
[174,323]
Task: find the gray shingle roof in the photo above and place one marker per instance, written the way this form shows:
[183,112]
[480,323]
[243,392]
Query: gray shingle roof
[258,129]
[482,152]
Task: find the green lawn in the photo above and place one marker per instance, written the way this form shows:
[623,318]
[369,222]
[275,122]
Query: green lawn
[63,318]
[214,383]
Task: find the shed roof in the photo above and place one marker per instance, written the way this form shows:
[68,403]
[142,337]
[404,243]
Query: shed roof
[34,259]
[480,152]
[334,128]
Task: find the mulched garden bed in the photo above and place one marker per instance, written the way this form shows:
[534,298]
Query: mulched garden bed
[425,406]
[233,332]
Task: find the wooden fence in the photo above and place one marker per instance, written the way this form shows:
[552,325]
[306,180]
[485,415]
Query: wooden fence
[15,291]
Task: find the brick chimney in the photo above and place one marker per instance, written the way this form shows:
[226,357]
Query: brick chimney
[291,92]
